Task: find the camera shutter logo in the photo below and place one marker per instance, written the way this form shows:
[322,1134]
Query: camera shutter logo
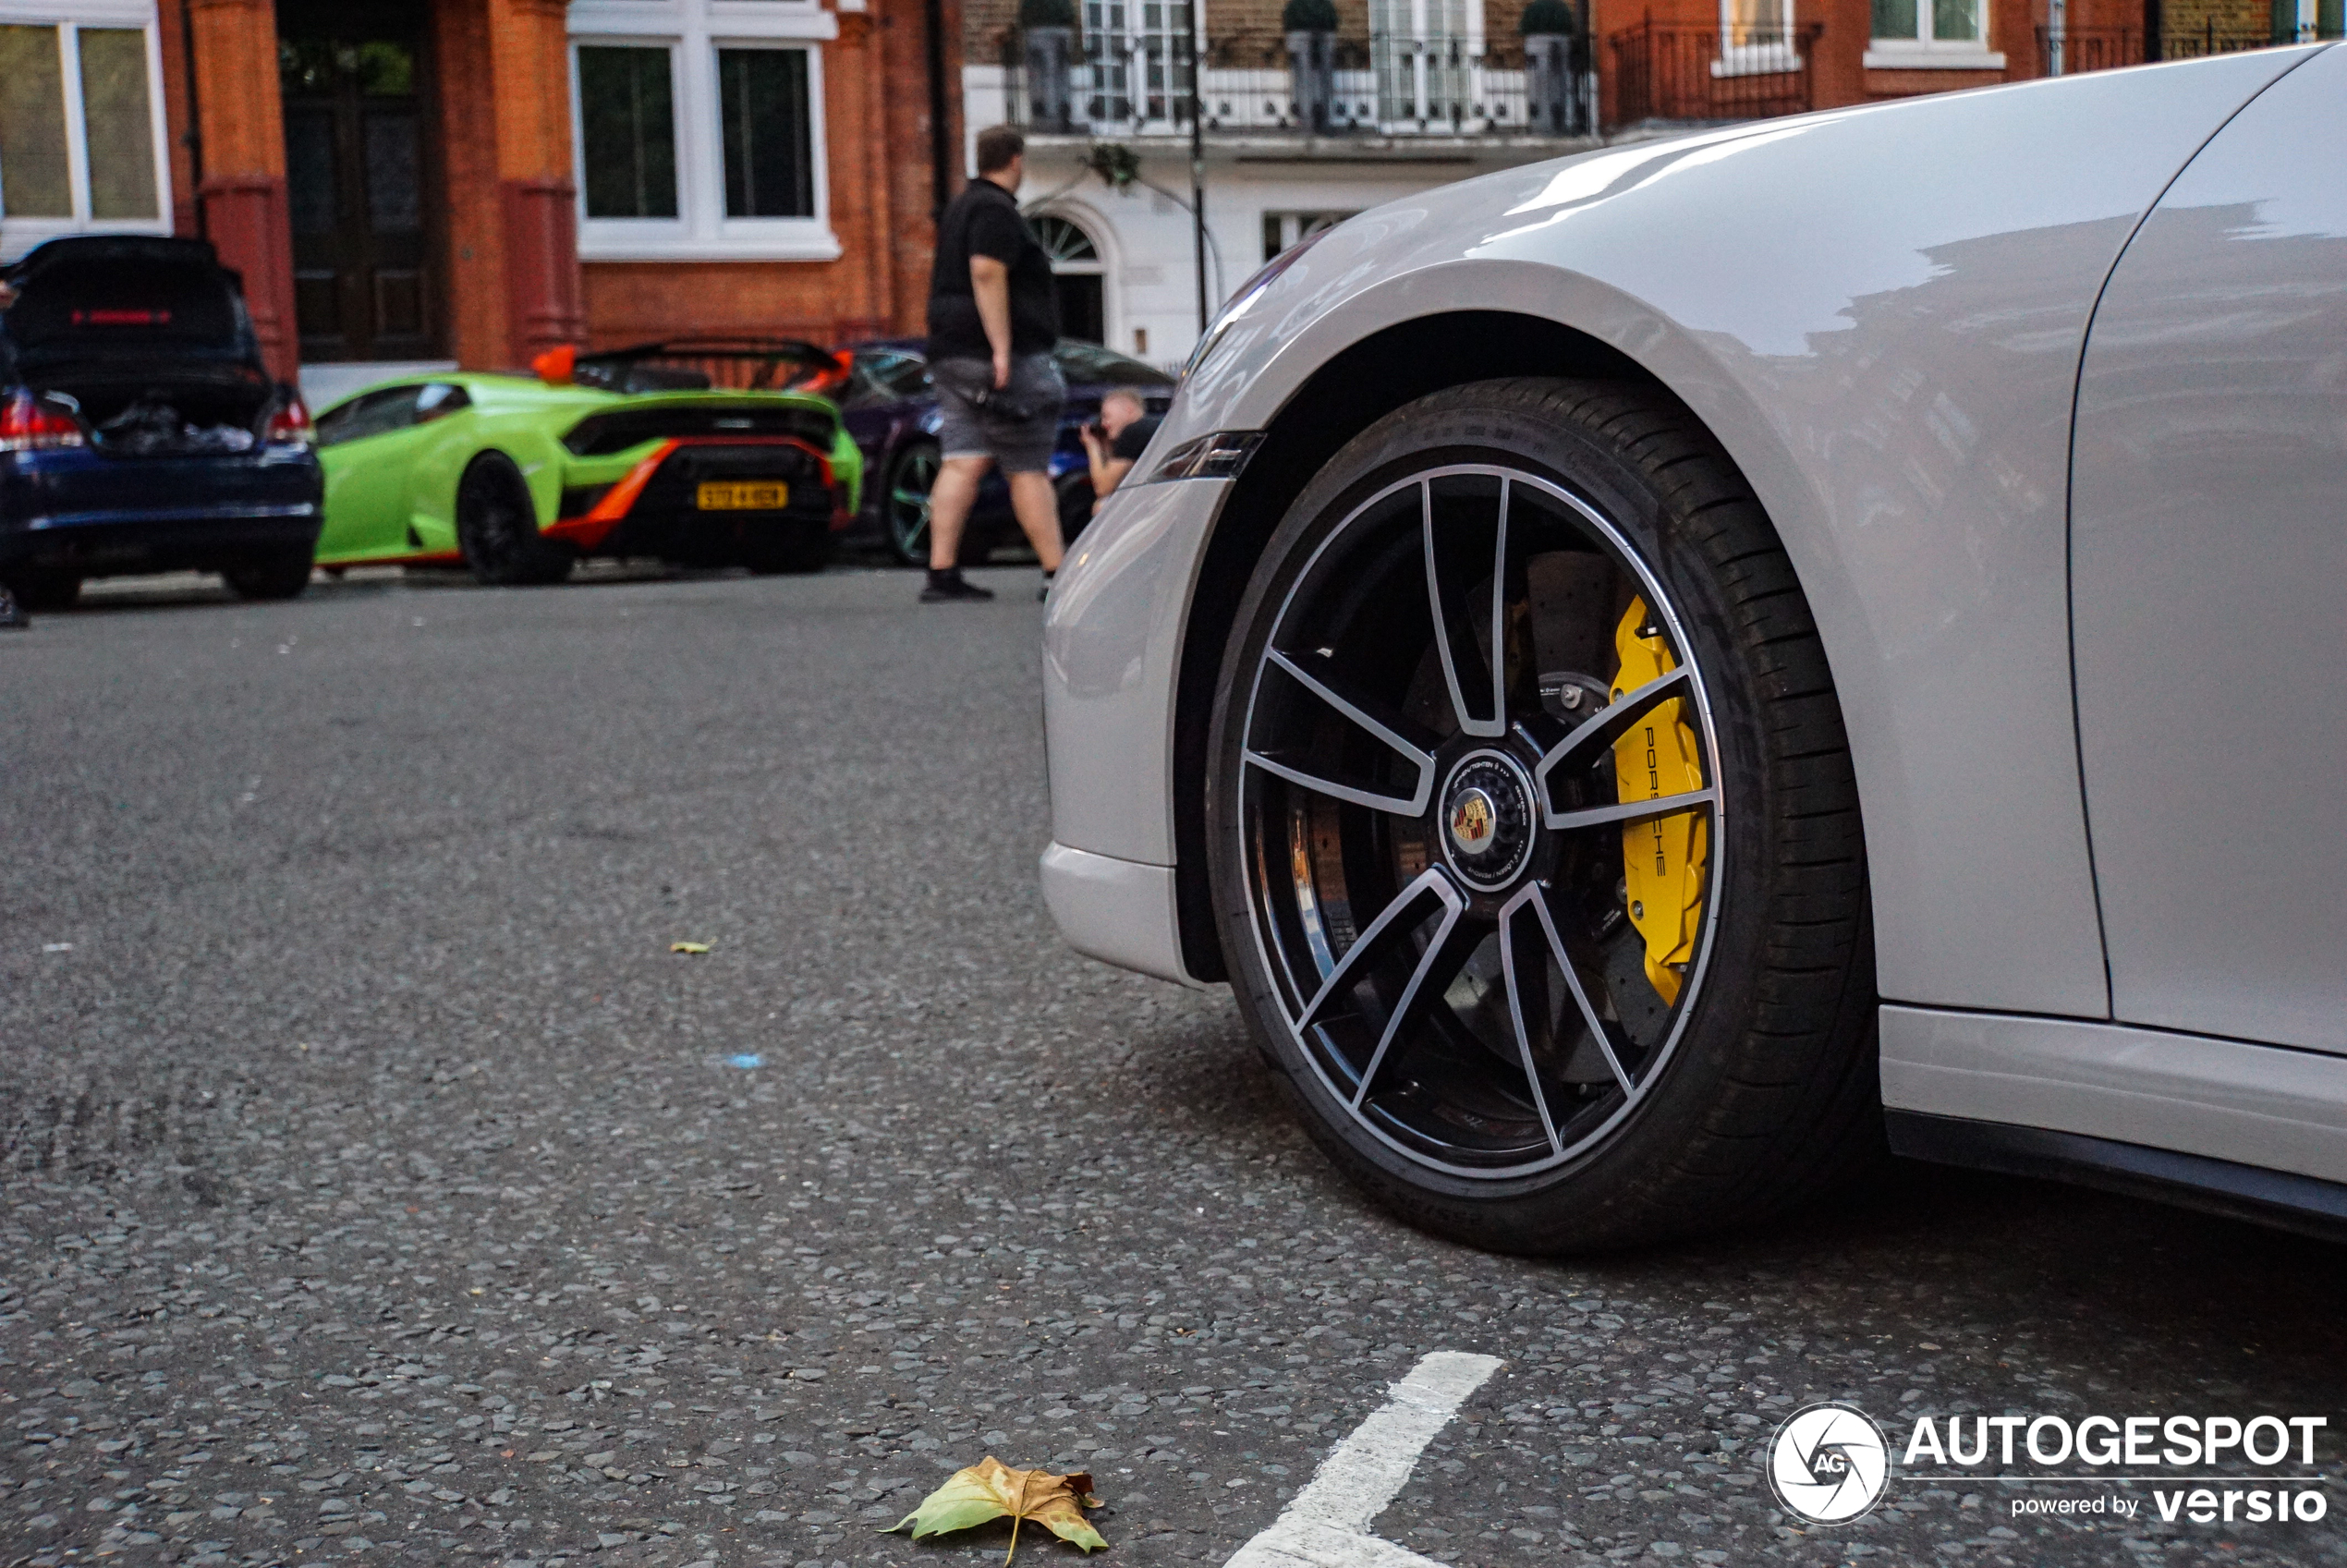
[1828,1463]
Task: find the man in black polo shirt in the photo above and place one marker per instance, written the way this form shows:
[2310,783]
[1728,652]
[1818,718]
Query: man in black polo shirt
[994,320]
[1117,442]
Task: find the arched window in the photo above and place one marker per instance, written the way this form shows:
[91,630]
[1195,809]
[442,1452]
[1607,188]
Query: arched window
[1082,279]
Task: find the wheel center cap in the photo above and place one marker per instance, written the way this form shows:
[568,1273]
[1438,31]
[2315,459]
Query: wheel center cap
[1487,820]
[1474,821]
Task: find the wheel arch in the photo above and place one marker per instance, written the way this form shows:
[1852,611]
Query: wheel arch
[1395,365]
[536,456]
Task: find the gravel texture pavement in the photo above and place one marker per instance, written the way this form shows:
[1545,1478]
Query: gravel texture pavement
[380,1187]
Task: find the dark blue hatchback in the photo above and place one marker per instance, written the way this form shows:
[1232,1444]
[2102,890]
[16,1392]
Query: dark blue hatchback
[891,412]
[139,430]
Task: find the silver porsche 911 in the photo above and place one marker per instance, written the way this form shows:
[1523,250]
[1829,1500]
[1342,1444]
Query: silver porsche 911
[1646,670]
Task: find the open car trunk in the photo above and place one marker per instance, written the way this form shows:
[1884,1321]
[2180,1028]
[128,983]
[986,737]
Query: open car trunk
[149,337]
[171,409]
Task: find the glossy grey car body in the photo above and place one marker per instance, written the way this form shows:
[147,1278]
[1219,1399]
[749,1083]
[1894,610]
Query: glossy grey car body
[2042,387]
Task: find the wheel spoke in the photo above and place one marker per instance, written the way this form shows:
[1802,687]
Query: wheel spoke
[1609,723]
[1609,1036]
[1392,924]
[1470,721]
[1626,811]
[1361,712]
[1532,976]
[1445,957]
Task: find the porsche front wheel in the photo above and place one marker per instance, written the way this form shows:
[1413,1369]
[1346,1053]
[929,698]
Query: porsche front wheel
[1534,840]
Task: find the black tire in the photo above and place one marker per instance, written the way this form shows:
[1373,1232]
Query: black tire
[796,550]
[281,576]
[1754,1081]
[904,501]
[497,529]
[44,588]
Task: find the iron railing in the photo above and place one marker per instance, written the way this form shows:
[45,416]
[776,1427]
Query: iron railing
[2088,49]
[1662,71]
[2191,44]
[2099,49]
[1058,82]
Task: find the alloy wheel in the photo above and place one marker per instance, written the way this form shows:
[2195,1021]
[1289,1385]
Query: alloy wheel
[1480,816]
[910,479]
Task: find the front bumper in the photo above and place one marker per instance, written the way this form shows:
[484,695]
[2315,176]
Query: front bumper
[1112,658]
[84,512]
[1116,911]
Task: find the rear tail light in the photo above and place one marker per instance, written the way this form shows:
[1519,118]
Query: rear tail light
[289,426]
[27,424]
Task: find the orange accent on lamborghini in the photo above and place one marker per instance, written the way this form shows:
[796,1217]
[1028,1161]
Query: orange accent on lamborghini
[594,528]
[589,531]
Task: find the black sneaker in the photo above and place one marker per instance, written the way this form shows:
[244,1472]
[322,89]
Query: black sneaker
[12,617]
[945,588]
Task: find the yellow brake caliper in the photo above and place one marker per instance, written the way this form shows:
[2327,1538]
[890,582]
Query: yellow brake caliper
[1662,858]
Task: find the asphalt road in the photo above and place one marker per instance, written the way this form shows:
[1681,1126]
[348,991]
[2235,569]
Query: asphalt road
[380,1187]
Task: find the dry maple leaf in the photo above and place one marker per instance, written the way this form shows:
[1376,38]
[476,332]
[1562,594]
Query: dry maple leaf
[991,1489]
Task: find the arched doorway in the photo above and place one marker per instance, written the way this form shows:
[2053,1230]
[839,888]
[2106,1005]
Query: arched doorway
[1081,277]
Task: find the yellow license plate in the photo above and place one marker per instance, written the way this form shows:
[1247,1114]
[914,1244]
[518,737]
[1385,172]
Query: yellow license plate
[749,495]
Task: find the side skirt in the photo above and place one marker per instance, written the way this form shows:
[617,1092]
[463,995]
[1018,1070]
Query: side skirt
[2278,1198]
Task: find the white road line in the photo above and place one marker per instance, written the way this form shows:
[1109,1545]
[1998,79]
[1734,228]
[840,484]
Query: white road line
[1327,1524]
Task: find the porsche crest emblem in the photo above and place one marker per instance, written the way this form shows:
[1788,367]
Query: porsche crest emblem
[1472,821]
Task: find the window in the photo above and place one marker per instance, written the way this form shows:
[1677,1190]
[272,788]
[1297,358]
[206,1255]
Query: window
[1284,230]
[1138,55]
[768,169]
[1927,22]
[887,375]
[1930,32]
[1755,38]
[627,128]
[80,131]
[1105,367]
[1077,276]
[1422,52]
[372,413]
[699,129]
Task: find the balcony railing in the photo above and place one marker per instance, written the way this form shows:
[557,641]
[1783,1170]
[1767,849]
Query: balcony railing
[1304,84]
[1666,72]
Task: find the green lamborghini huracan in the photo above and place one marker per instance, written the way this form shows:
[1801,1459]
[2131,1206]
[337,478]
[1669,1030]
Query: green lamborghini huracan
[700,454]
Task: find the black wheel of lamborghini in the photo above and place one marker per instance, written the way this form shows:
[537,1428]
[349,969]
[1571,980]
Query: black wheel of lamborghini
[1534,840]
[279,577]
[497,528]
[912,473]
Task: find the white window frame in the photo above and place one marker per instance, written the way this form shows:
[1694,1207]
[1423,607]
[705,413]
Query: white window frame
[18,235]
[694,30]
[1925,53]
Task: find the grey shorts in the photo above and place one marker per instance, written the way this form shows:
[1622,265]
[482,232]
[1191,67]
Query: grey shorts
[1016,425]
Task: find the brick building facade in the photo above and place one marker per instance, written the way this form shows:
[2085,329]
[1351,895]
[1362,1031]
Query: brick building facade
[471,181]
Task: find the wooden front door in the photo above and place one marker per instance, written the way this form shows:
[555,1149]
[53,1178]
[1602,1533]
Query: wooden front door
[358,183]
